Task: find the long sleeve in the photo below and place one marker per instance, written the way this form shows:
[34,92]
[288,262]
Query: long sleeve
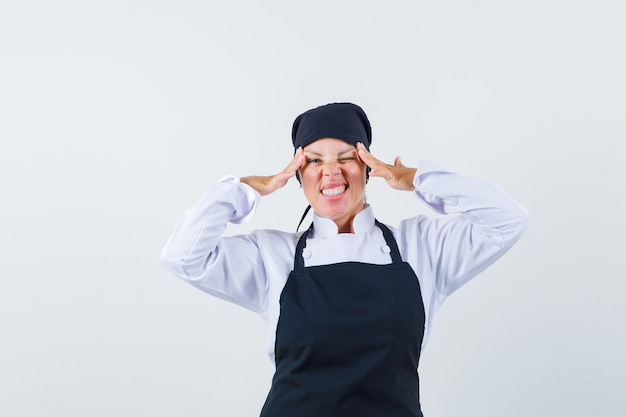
[251,270]
[197,253]
[454,250]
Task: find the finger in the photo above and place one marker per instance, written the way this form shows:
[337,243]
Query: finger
[378,168]
[366,156]
[362,150]
[296,162]
[398,162]
[299,160]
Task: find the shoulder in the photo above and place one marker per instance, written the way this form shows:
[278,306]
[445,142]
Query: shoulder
[273,239]
[417,224]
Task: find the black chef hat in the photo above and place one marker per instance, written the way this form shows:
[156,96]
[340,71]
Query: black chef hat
[345,121]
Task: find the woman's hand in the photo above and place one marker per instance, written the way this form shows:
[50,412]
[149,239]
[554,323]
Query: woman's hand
[398,176]
[265,185]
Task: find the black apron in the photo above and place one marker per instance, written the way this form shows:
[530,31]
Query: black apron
[348,340]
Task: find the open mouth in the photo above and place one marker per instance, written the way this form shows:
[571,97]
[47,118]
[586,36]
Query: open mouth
[334,191]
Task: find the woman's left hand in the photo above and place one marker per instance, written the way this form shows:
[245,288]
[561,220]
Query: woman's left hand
[398,176]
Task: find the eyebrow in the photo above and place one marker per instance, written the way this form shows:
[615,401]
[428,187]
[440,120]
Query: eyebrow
[340,153]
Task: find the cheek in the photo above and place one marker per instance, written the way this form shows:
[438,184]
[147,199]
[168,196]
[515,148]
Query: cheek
[307,174]
[308,181]
[358,174]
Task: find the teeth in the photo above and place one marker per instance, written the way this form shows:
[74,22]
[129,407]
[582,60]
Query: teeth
[332,192]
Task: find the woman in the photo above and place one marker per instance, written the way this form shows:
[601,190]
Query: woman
[349,302]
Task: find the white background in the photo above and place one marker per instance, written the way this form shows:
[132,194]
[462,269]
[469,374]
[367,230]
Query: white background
[115,116]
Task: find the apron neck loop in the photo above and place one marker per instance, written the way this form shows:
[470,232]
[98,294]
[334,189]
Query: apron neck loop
[298,260]
[391,242]
[303,216]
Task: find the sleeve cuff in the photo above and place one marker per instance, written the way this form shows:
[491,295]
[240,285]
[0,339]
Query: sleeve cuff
[245,199]
[426,171]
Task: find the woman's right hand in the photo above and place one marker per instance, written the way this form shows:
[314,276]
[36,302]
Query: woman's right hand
[265,185]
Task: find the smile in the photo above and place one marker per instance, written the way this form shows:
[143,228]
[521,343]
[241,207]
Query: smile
[334,192]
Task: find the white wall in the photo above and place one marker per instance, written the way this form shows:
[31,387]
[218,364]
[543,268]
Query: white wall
[115,116]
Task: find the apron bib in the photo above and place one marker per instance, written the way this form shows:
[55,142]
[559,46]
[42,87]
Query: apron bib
[348,340]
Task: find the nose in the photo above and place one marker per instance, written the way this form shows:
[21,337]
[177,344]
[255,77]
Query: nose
[331,169]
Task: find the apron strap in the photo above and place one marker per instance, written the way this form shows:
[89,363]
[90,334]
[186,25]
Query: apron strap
[298,260]
[391,242]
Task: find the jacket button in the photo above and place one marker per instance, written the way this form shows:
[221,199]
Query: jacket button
[385,249]
[306,253]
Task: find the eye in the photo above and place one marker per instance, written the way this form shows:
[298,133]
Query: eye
[350,158]
[313,160]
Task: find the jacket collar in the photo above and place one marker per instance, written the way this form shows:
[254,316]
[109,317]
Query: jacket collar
[362,223]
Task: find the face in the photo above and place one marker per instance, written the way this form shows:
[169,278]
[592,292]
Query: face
[333,179]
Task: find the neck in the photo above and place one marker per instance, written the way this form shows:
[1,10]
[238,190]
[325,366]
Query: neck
[346,227]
